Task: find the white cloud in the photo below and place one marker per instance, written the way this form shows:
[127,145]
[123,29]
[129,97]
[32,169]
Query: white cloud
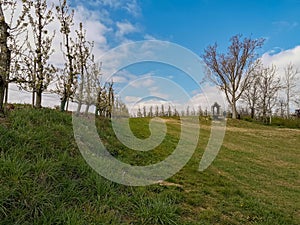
[132,99]
[283,58]
[125,28]
[119,79]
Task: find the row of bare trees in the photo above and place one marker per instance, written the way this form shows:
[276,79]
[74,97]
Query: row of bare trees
[26,47]
[268,92]
[163,111]
[242,76]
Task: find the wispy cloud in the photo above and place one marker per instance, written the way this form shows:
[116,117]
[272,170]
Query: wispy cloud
[125,28]
[130,6]
[285,25]
[133,8]
[149,37]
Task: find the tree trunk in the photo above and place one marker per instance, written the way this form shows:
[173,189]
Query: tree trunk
[33,99]
[63,100]
[87,109]
[252,112]
[38,103]
[6,93]
[234,112]
[67,107]
[63,104]
[288,104]
[78,107]
[8,58]
[4,58]
[2,91]
[40,69]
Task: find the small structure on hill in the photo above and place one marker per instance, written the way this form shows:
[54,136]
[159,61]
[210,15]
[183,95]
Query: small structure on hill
[215,109]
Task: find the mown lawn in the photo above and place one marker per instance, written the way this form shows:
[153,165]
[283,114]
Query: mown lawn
[44,179]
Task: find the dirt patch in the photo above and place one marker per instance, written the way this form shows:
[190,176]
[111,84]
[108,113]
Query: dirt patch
[165,183]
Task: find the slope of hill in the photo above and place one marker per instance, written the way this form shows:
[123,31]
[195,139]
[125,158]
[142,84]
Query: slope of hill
[45,180]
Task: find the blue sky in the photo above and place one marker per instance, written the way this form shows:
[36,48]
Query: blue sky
[197,23]
[193,24]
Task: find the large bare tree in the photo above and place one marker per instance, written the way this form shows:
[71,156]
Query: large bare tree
[290,84]
[231,71]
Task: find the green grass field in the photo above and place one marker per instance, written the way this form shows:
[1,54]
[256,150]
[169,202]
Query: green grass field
[44,179]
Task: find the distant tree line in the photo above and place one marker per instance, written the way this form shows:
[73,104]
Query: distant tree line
[163,111]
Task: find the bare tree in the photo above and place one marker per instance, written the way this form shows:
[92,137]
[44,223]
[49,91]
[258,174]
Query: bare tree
[162,113]
[188,111]
[111,99]
[150,114]
[176,113]
[83,52]
[199,111]
[251,93]
[139,113]
[29,70]
[156,111]
[106,102]
[290,83]
[231,71]
[4,56]
[120,109]
[144,111]
[93,83]
[269,86]
[40,18]
[169,111]
[10,48]
[68,79]
[282,107]
[101,102]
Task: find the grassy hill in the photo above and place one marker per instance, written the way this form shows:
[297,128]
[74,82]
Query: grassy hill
[45,180]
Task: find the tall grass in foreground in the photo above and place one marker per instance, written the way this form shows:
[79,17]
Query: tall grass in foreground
[45,180]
